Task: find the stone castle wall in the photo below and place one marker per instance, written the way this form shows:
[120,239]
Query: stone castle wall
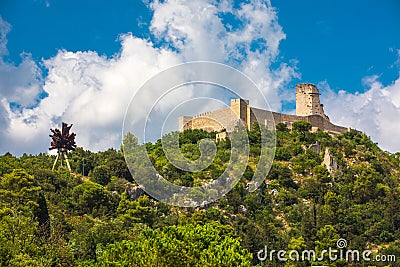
[218,120]
[308,108]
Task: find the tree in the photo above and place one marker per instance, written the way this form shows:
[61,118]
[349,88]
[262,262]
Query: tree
[101,175]
[304,163]
[322,174]
[130,141]
[8,163]
[365,185]
[117,167]
[282,127]
[19,191]
[23,217]
[302,127]
[283,154]
[211,244]
[135,211]
[89,236]
[89,198]
[283,175]
[327,237]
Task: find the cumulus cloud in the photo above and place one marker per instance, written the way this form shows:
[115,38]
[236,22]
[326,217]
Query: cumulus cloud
[90,91]
[19,88]
[375,111]
[247,38]
[93,91]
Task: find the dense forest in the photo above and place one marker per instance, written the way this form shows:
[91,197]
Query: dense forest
[97,215]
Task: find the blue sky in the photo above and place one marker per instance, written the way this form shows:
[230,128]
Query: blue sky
[341,41]
[350,49]
[42,28]
[335,40]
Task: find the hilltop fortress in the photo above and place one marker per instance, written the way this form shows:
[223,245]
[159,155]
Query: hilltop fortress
[308,108]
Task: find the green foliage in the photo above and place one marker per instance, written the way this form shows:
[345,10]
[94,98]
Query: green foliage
[8,163]
[90,198]
[135,211]
[93,217]
[283,175]
[91,235]
[24,219]
[130,140]
[194,136]
[301,127]
[18,189]
[101,175]
[304,163]
[210,244]
[282,127]
[282,154]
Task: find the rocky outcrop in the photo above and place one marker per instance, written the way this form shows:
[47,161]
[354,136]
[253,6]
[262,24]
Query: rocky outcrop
[330,162]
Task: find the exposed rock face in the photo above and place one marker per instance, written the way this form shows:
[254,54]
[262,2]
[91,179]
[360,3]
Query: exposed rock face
[315,147]
[330,162]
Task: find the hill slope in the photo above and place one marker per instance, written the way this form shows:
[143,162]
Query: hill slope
[98,216]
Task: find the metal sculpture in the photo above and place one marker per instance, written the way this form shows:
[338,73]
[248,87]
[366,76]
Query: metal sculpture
[63,141]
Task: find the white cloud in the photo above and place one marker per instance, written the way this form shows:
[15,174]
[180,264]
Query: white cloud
[197,31]
[20,84]
[90,91]
[375,112]
[5,28]
[19,90]
[93,91]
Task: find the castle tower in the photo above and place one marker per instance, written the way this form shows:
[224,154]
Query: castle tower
[241,108]
[307,101]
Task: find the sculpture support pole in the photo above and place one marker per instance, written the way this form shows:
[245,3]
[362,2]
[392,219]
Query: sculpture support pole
[62,158]
[66,160]
[55,162]
[62,154]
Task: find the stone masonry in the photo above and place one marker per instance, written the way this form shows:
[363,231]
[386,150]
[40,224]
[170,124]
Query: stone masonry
[308,108]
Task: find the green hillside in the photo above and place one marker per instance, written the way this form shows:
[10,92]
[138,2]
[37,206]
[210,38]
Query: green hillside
[98,216]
